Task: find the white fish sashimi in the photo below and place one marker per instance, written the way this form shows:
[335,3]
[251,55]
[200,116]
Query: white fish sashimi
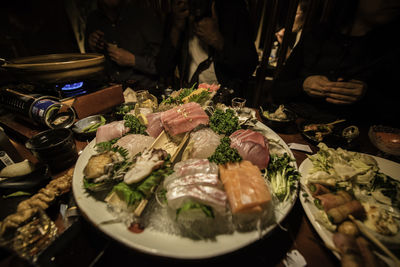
[207,195]
[195,180]
[202,144]
[135,143]
[193,166]
[210,179]
[110,131]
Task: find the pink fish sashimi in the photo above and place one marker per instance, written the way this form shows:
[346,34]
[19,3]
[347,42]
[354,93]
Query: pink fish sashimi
[211,87]
[154,126]
[135,143]
[110,131]
[184,118]
[248,135]
[252,146]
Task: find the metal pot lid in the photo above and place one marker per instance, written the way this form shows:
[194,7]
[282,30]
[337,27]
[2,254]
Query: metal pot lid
[55,62]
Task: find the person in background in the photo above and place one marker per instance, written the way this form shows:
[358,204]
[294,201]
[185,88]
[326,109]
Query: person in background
[297,27]
[350,67]
[209,41]
[129,35]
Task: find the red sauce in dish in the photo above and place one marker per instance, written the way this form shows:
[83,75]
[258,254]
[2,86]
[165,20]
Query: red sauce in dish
[389,137]
[136,228]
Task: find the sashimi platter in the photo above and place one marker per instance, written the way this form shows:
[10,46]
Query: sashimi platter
[185,178]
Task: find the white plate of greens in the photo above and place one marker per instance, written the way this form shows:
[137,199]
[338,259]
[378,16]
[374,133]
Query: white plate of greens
[363,164]
[160,237]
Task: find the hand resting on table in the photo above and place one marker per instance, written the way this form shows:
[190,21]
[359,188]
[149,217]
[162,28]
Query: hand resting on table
[339,92]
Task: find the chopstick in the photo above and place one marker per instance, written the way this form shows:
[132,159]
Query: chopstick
[334,122]
[378,243]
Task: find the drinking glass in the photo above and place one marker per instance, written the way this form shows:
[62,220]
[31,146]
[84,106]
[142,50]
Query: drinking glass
[238,103]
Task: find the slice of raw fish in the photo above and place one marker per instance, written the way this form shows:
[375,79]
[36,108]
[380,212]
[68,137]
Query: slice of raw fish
[207,195]
[202,144]
[252,146]
[154,125]
[195,180]
[149,160]
[110,131]
[193,166]
[135,143]
[183,118]
[209,179]
[248,135]
[211,87]
[244,186]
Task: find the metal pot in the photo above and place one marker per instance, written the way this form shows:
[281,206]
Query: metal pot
[55,68]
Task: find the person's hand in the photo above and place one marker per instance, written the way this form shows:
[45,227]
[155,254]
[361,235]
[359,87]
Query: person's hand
[316,85]
[96,41]
[180,11]
[338,92]
[279,35]
[121,56]
[345,93]
[207,30]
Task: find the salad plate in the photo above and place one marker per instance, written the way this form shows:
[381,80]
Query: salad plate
[385,166]
[157,237]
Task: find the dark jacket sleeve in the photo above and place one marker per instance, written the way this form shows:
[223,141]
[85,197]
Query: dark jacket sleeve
[90,28]
[238,56]
[289,82]
[167,59]
[151,32]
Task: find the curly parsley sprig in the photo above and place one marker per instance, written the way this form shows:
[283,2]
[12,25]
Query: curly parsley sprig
[134,124]
[224,153]
[224,122]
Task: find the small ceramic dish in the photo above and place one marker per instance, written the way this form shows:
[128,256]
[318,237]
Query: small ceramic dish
[85,129]
[279,118]
[336,133]
[386,139]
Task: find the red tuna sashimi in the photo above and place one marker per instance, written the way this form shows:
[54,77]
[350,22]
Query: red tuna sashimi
[252,146]
[183,118]
[110,131]
[154,125]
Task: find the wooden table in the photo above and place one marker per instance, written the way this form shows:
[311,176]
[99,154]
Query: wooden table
[87,246]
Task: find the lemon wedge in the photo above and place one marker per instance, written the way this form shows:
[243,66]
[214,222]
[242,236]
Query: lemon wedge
[142,118]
